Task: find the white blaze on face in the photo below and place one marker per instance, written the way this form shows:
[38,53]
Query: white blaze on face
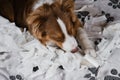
[70,42]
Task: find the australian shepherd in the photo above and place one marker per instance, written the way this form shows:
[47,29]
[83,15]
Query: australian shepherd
[50,21]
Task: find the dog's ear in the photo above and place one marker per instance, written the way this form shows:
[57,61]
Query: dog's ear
[37,19]
[67,6]
[40,15]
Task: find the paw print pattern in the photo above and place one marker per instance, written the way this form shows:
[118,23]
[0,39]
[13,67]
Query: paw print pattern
[114,3]
[61,67]
[114,72]
[108,16]
[97,41]
[82,15]
[114,75]
[17,77]
[12,77]
[93,71]
[35,68]
[89,76]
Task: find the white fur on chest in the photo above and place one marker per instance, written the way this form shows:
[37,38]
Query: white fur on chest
[41,2]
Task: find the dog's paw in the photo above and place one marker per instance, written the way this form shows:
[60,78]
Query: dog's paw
[90,51]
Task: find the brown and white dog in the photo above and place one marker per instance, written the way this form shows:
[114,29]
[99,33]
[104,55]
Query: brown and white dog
[50,21]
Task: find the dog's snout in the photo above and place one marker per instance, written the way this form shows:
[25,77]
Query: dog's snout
[75,50]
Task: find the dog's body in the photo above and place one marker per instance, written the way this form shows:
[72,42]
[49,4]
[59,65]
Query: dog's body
[16,10]
[50,21]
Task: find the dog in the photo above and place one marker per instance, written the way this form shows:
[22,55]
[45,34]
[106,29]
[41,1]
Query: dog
[50,21]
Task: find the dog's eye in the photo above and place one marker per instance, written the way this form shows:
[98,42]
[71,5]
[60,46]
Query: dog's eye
[44,33]
[59,40]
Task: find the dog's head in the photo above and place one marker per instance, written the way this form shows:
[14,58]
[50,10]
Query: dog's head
[56,23]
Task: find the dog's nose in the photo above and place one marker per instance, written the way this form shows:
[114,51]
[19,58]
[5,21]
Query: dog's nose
[75,50]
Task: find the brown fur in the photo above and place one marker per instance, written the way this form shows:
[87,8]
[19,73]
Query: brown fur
[6,9]
[42,22]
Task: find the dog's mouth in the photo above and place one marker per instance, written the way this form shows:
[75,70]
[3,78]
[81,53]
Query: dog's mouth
[76,49]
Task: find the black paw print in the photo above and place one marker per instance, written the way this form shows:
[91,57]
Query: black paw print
[93,71]
[82,15]
[35,68]
[108,16]
[89,76]
[18,77]
[97,41]
[61,67]
[114,3]
[114,75]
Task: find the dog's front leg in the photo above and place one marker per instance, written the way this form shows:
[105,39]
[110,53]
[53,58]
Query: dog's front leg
[87,47]
[85,42]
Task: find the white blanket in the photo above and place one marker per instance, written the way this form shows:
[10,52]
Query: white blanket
[20,52]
